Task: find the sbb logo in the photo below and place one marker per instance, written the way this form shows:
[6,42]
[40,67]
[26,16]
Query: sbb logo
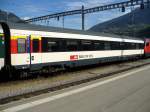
[73,57]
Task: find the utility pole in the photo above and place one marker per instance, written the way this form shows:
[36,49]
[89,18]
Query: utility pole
[82,14]
[63,21]
[148,3]
[132,18]
[7,13]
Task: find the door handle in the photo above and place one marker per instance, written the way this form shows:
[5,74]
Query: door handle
[32,58]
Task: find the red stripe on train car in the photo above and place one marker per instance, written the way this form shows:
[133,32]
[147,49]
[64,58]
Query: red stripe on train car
[13,46]
[31,46]
[40,46]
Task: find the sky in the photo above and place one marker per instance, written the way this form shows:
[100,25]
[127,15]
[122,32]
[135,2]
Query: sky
[26,9]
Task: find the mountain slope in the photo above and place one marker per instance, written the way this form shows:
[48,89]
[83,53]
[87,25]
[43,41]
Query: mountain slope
[7,16]
[129,24]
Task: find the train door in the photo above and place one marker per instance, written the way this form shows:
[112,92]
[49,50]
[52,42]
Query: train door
[2,48]
[35,52]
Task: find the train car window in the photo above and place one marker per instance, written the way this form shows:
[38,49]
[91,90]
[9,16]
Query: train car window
[122,45]
[51,45]
[115,45]
[86,45]
[21,45]
[35,45]
[133,46]
[137,46]
[129,46]
[147,44]
[141,46]
[107,46]
[72,45]
[126,46]
[119,46]
[80,45]
[98,45]
[44,44]
[62,45]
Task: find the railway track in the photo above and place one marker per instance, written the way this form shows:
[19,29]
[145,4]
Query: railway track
[16,90]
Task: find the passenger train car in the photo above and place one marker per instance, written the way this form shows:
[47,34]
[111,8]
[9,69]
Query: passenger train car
[147,48]
[34,47]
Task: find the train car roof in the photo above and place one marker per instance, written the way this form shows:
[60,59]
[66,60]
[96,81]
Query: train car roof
[33,27]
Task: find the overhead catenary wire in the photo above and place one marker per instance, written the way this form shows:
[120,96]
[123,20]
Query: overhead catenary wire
[83,11]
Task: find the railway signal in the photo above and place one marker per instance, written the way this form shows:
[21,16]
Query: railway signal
[142,6]
[123,8]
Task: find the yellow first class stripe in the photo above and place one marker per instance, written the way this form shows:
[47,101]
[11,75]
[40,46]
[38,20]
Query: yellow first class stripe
[35,37]
[16,37]
[25,37]
[1,34]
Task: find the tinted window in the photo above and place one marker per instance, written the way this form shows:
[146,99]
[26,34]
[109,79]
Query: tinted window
[21,45]
[72,45]
[44,44]
[51,45]
[62,45]
[98,45]
[115,45]
[86,45]
[141,46]
[129,46]
[137,46]
[133,45]
[107,46]
[35,45]
[122,46]
[147,44]
[65,45]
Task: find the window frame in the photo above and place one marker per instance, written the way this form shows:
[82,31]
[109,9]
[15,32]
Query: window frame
[24,45]
[147,44]
[92,45]
[36,47]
